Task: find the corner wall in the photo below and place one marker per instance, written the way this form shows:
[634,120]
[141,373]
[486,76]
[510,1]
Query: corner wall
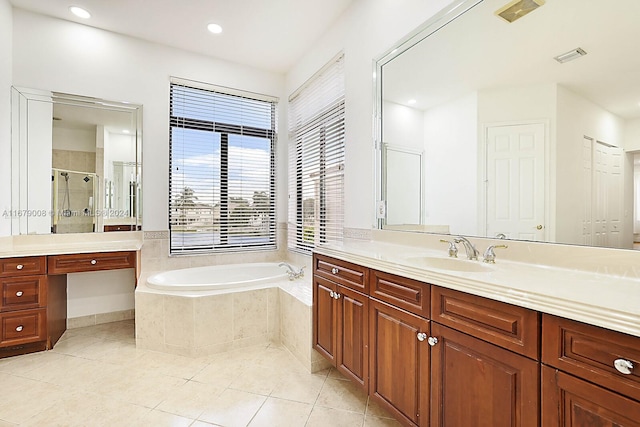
[6,47]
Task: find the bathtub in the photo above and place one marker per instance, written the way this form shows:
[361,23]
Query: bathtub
[218,277]
[207,310]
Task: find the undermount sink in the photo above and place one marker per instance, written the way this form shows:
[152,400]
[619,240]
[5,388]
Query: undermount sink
[451,264]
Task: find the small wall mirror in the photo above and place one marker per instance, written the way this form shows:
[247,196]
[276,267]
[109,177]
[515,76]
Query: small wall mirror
[527,116]
[76,164]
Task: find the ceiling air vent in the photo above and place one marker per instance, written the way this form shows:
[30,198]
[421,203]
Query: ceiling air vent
[517,9]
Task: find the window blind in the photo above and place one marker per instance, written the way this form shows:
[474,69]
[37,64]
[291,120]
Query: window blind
[222,169]
[316,159]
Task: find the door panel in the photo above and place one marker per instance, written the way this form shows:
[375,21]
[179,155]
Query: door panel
[515,181]
[353,339]
[324,330]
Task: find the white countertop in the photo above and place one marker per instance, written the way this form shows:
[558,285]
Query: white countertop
[604,300]
[58,244]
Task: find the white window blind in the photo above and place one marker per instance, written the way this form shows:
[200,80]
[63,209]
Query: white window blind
[316,159]
[222,169]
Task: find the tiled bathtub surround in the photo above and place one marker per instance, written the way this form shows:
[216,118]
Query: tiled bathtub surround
[209,322]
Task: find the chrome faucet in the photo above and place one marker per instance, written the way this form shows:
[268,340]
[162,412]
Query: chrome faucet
[470,250]
[292,272]
[489,255]
[453,249]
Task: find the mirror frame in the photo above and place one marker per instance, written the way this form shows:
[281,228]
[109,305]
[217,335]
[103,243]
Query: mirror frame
[433,24]
[20,97]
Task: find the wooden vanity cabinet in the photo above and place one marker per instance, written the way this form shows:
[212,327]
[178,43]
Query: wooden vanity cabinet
[341,322]
[581,384]
[33,306]
[399,363]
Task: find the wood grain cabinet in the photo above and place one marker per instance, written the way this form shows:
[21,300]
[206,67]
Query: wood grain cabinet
[399,363]
[340,327]
[591,377]
[33,307]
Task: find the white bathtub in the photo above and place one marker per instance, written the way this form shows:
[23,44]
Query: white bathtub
[217,277]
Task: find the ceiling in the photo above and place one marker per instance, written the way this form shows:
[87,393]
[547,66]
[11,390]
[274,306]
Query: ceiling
[270,35]
[481,51]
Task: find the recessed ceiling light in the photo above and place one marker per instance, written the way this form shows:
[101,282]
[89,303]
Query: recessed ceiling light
[411,101]
[80,12]
[214,28]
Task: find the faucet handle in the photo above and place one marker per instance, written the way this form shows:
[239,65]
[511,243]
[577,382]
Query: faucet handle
[453,249]
[489,254]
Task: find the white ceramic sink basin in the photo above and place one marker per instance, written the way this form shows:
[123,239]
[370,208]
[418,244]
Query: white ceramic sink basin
[451,264]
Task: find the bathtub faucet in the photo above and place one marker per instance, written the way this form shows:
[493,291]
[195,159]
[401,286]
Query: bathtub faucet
[291,272]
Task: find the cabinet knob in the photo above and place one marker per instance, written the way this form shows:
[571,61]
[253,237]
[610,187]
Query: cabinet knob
[94,262]
[335,270]
[19,328]
[19,266]
[337,295]
[432,341]
[19,293]
[421,336]
[623,366]
[332,294]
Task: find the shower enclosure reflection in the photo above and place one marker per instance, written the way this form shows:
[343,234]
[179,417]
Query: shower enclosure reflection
[72,201]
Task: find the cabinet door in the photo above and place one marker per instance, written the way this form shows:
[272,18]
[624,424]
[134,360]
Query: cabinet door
[399,363]
[474,383]
[324,318]
[352,336]
[570,402]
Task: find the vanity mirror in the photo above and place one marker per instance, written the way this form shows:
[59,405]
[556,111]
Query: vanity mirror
[76,164]
[524,129]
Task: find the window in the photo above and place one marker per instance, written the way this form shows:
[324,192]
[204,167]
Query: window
[222,169]
[316,159]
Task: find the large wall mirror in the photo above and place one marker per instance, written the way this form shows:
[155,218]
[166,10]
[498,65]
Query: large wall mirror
[525,123]
[76,164]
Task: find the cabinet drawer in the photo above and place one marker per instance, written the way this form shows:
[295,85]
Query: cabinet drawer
[509,326]
[76,263]
[344,273]
[23,292]
[23,266]
[408,294]
[591,352]
[21,327]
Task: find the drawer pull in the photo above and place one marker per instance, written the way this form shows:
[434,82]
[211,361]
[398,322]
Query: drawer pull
[19,328]
[19,293]
[421,336]
[623,366]
[94,262]
[19,266]
[432,341]
[335,270]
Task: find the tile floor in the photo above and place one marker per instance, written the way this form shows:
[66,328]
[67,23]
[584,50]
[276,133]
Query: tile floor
[95,376]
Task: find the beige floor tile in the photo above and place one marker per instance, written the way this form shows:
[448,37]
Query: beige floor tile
[324,417]
[88,409]
[25,363]
[339,394]
[157,418]
[141,389]
[199,423]
[63,371]
[334,373]
[221,374]
[375,410]
[7,424]
[281,413]
[191,399]
[168,364]
[75,345]
[233,408]
[299,387]
[257,379]
[23,398]
[370,421]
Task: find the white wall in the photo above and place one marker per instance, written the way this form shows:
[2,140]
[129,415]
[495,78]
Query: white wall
[578,117]
[365,31]
[72,139]
[403,126]
[632,135]
[67,57]
[451,165]
[6,47]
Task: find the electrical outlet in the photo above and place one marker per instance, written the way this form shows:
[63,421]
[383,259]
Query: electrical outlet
[381,210]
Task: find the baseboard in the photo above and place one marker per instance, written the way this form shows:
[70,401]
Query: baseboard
[99,318]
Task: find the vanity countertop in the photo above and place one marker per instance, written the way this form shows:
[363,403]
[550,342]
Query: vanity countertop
[599,299]
[52,244]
